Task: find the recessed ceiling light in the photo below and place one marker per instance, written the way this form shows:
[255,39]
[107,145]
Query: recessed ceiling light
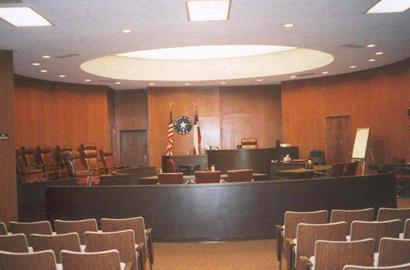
[22,17]
[389,6]
[126,31]
[35,64]
[117,83]
[288,25]
[379,53]
[223,82]
[87,80]
[151,84]
[353,66]
[293,77]
[371,60]
[46,56]
[371,45]
[325,72]
[43,70]
[207,11]
[186,84]
[61,76]
[207,52]
[259,80]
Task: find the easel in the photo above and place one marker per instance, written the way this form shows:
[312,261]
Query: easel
[363,161]
[360,147]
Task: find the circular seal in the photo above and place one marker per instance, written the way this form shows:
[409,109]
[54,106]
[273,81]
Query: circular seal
[183,125]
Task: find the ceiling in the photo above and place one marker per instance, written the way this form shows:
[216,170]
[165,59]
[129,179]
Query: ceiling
[85,30]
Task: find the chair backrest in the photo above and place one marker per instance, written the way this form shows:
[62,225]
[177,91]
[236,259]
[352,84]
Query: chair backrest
[40,227]
[350,168]
[349,216]
[407,229]
[249,143]
[43,260]
[103,260]
[393,213]
[395,267]
[56,243]
[333,255]
[29,156]
[170,178]
[317,157]
[3,228]
[393,251]
[375,229]
[308,234]
[107,159]
[91,159]
[88,146]
[46,155]
[123,241]
[337,169]
[170,166]
[60,150]
[207,177]
[136,224]
[14,243]
[79,226]
[292,219]
[244,175]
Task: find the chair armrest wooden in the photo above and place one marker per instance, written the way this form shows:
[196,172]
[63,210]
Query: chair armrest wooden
[128,266]
[306,263]
[279,241]
[150,248]
[289,247]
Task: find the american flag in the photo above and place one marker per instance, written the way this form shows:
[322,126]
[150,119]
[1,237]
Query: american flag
[197,136]
[170,144]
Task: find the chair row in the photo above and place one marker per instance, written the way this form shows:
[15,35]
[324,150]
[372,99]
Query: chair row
[202,177]
[391,222]
[41,237]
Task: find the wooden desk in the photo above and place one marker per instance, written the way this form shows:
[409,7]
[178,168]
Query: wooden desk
[301,173]
[151,180]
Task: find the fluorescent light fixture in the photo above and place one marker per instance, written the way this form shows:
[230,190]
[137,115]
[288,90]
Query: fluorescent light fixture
[186,84]
[151,84]
[371,45]
[208,11]
[379,53]
[259,80]
[390,6]
[353,67]
[126,31]
[206,52]
[288,25]
[46,56]
[325,72]
[293,77]
[22,17]
[62,76]
[87,80]
[43,70]
[35,64]
[371,60]
[223,82]
[117,83]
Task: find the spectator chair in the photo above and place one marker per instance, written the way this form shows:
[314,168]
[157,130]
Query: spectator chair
[40,227]
[407,229]
[79,226]
[103,260]
[393,213]
[349,216]
[14,243]
[3,228]
[42,260]
[393,251]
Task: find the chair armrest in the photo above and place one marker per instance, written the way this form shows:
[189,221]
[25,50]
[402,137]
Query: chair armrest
[128,266]
[279,241]
[150,247]
[139,246]
[288,247]
[307,264]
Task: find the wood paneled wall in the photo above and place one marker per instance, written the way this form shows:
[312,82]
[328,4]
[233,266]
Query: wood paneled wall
[377,98]
[226,115]
[8,200]
[52,113]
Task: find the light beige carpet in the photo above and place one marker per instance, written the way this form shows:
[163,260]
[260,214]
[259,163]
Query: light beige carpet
[238,255]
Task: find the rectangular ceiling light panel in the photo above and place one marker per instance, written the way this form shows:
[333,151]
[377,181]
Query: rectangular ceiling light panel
[23,17]
[390,6]
[206,11]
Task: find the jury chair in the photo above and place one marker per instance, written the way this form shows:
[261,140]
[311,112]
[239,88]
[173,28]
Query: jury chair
[375,229]
[334,255]
[107,159]
[349,216]
[30,157]
[91,161]
[143,236]
[244,175]
[170,178]
[57,243]
[42,260]
[249,143]
[286,234]
[102,260]
[395,267]
[29,174]
[407,229]
[393,213]
[14,243]
[76,168]
[78,226]
[47,159]
[350,168]
[3,228]
[39,227]
[393,251]
[123,241]
[203,177]
[60,150]
[308,234]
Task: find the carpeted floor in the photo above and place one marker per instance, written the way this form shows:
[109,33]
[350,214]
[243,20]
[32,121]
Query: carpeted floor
[238,255]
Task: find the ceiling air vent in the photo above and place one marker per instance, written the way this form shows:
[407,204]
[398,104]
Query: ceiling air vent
[305,74]
[353,46]
[68,55]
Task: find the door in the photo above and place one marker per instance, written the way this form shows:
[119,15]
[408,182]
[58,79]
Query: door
[338,139]
[133,147]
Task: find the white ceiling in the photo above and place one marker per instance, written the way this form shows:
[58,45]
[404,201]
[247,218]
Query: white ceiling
[93,28]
